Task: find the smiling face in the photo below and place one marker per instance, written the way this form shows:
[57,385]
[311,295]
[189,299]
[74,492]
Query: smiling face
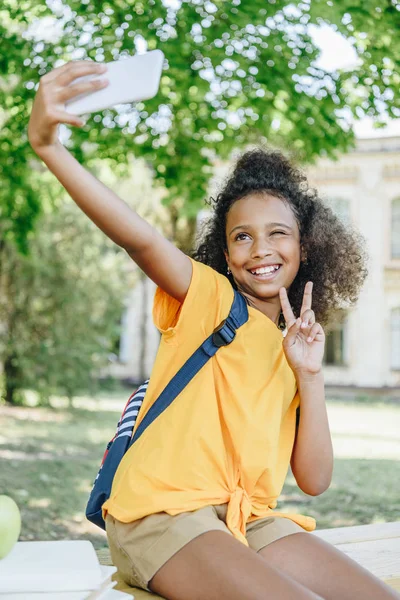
[263,249]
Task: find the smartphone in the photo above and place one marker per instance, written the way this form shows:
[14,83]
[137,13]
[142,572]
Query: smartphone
[130,80]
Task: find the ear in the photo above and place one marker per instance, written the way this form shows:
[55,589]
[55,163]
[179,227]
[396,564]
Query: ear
[226,257]
[228,270]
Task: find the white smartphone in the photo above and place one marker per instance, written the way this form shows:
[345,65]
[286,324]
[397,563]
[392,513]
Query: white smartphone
[130,80]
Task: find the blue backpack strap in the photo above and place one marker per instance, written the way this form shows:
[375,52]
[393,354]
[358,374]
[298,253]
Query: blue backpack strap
[222,336]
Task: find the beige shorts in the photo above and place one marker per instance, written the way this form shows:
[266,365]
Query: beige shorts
[141,548]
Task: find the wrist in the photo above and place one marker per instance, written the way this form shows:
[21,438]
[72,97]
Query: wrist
[46,151]
[305,376]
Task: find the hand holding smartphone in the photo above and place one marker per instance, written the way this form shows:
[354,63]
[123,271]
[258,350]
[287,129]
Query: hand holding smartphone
[130,80]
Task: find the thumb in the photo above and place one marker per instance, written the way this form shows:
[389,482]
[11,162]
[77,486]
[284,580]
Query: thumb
[293,330]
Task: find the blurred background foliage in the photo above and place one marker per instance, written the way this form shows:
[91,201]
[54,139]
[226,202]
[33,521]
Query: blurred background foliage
[235,73]
[62,302]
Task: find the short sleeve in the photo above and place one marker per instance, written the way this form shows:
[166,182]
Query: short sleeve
[207,303]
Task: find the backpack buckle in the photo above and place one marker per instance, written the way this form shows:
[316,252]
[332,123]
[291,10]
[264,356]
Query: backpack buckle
[224,334]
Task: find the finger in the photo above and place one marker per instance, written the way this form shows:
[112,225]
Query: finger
[307,319]
[78,69]
[82,88]
[316,333]
[286,308]
[54,73]
[307,297]
[73,69]
[293,330]
[66,118]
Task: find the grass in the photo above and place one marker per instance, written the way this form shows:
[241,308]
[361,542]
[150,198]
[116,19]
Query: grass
[49,458]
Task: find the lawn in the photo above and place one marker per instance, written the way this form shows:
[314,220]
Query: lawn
[49,457]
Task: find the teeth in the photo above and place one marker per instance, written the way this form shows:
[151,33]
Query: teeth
[264,270]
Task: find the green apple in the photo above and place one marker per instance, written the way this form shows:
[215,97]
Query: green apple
[10,525]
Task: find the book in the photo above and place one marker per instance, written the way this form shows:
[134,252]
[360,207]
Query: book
[56,568]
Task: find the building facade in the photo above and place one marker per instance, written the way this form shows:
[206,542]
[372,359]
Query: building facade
[363,187]
[363,346]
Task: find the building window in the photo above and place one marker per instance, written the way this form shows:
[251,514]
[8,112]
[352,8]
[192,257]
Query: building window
[336,345]
[340,207]
[395,339]
[395,228]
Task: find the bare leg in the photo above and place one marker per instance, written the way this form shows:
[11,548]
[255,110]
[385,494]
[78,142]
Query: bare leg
[215,566]
[322,568]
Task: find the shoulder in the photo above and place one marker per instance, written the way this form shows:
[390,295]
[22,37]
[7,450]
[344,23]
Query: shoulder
[209,298]
[205,272]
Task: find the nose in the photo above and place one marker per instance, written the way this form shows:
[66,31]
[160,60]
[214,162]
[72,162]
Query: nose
[260,248]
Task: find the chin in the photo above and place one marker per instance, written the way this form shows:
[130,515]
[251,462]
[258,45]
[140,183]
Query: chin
[267,294]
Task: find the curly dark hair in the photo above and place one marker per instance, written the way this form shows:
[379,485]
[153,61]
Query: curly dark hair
[335,256]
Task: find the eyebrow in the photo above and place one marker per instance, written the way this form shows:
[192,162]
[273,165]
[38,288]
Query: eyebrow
[269,225]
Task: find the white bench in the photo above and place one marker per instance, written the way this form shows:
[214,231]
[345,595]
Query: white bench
[375,547]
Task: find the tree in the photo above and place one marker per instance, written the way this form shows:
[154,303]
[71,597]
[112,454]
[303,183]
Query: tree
[235,72]
[60,307]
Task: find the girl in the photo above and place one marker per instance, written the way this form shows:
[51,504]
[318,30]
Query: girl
[191,514]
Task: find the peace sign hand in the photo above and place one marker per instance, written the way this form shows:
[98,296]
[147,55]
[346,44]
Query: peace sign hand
[305,339]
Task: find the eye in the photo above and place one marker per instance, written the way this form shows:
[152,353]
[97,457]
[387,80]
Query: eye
[278,232]
[241,236]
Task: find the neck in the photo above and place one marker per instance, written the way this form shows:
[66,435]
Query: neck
[271,308]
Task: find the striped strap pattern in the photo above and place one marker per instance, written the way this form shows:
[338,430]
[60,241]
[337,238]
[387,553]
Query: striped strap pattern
[128,418]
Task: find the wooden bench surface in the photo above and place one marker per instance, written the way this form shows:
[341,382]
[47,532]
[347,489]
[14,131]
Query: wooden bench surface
[376,547]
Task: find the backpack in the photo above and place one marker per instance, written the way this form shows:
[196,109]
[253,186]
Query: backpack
[223,335]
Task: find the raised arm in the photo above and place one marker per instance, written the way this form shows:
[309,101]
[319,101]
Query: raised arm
[312,456]
[165,264]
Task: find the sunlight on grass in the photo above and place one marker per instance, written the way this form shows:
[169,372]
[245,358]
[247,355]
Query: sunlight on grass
[57,452]
[39,503]
[365,431]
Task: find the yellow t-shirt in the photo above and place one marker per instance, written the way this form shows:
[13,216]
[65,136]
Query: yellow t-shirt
[228,437]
